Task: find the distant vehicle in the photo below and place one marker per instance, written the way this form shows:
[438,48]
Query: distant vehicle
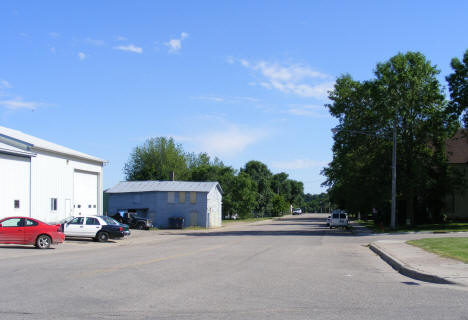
[23,230]
[328,221]
[339,220]
[133,221]
[297,211]
[99,228]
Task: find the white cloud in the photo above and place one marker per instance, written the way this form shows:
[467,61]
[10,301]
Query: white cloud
[298,164]
[294,79]
[175,45]
[4,84]
[120,38]
[95,42]
[229,141]
[82,55]
[129,48]
[314,111]
[228,99]
[54,34]
[16,104]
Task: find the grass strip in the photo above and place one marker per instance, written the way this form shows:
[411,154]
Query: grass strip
[455,248]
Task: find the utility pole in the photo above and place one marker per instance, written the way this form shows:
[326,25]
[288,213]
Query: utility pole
[393,213]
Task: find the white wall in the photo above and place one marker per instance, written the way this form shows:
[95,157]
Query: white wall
[214,202]
[14,185]
[52,177]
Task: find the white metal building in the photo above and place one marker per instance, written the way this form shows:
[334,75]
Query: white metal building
[46,181]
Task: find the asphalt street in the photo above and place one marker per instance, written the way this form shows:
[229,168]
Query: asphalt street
[293,268]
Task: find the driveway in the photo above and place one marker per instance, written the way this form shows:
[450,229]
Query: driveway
[293,268]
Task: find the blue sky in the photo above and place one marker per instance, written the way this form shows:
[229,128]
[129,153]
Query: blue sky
[240,80]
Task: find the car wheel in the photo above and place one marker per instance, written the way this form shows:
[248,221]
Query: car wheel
[140,226]
[102,236]
[43,241]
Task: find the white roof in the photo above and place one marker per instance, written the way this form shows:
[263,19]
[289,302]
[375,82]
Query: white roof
[148,186]
[36,143]
[5,148]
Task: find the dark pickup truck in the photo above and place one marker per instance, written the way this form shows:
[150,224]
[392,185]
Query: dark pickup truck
[133,221]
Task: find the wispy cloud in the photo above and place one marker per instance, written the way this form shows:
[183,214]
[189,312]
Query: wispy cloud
[15,104]
[314,111]
[298,164]
[229,141]
[4,84]
[175,45]
[52,50]
[54,34]
[7,100]
[129,48]
[296,79]
[120,38]
[228,99]
[94,42]
[82,55]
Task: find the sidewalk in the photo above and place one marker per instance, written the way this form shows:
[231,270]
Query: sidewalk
[419,264]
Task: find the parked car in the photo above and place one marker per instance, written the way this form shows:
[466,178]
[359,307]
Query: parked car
[328,221]
[297,211]
[24,230]
[339,220]
[99,228]
[133,221]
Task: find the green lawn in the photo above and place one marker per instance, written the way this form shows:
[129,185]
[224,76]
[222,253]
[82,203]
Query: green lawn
[436,227]
[455,248]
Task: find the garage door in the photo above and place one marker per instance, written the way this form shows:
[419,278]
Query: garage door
[85,193]
[14,185]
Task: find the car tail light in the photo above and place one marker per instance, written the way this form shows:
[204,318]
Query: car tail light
[59,227]
[121,228]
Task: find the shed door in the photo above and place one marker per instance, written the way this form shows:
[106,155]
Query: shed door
[14,185]
[85,193]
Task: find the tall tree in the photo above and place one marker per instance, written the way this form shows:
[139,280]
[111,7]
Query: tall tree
[405,94]
[458,87]
[156,159]
[261,177]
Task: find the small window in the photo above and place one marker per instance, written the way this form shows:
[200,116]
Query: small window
[79,206]
[53,204]
[14,222]
[89,206]
[30,223]
[92,221]
[77,220]
[94,206]
[193,197]
[181,196]
[171,197]
[16,204]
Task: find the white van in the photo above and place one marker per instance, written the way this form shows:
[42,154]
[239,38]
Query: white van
[339,220]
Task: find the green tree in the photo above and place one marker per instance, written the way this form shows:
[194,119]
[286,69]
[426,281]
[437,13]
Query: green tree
[156,159]
[458,87]
[261,177]
[279,206]
[242,195]
[405,94]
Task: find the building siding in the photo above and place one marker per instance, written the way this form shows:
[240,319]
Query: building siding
[159,210]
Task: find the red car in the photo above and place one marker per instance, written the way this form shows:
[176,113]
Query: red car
[23,230]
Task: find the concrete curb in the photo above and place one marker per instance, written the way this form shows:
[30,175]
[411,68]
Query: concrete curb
[405,269]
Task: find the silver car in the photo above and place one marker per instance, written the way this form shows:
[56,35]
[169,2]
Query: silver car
[339,220]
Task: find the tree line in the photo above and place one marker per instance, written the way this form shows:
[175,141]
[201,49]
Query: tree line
[404,94]
[253,190]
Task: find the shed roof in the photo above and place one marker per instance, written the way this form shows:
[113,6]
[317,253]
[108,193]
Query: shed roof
[148,186]
[23,139]
[457,147]
[5,148]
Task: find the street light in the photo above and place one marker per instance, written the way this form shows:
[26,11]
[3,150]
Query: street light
[394,160]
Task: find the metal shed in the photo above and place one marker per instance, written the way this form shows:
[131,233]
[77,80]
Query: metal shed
[43,180]
[199,203]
